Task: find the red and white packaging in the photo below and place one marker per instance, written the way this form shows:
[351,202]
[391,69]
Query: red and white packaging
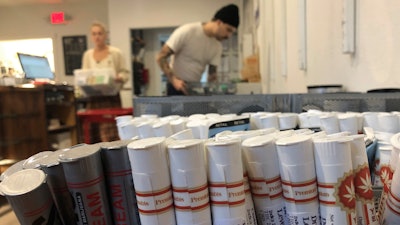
[335,180]
[299,180]
[383,176]
[243,135]
[382,169]
[225,174]
[265,182]
[389,206]
[151,179]
[189,182]
[391,214]
[365,207]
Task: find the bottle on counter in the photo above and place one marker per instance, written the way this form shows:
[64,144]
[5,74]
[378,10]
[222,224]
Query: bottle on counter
[3,69]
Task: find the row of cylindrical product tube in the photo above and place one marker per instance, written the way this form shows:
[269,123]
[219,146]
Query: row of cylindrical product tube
[261,176]
[149,125]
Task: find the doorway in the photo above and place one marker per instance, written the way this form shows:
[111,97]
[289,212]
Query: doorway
[145,45]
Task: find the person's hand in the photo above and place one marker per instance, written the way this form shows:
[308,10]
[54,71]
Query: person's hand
[212,78]
[179,85]
[118,79]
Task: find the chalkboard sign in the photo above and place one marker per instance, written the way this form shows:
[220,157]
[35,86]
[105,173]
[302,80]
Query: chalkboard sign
[74,47]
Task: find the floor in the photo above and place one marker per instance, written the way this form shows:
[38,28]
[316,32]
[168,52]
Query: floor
[7,216]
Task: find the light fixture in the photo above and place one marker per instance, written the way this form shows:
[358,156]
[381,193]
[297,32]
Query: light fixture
[348,26]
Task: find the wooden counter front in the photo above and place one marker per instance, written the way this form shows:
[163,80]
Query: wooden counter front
[23,130]
[25,115]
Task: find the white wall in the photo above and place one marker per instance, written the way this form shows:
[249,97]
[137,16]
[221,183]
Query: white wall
[32,21]
[375,64]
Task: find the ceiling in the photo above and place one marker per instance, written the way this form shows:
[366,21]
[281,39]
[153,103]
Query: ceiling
[33,2]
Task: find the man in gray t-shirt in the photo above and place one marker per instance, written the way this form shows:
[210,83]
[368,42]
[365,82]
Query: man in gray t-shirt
[194,46]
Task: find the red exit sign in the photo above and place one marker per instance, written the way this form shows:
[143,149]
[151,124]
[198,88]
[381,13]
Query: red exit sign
[57,18]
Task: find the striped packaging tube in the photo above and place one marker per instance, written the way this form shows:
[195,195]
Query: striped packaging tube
[298,176]
[365,207]
[58,186]
[189,182]
[29,196]
[391,214]
[383,176]
[335,177]
[251,218]
[84,175]
[382,168]
[148,158]
[391,205]
[388,158]
[225,174]
[265,182]
[118,173]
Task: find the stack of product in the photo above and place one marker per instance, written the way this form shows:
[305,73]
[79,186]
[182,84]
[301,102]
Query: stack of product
[256,168]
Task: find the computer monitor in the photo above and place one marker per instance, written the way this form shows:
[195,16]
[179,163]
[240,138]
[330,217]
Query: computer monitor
[35,67]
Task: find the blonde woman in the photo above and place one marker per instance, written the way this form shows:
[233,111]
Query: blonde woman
[103,56]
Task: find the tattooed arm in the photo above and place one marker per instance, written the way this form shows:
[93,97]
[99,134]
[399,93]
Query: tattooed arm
[162,60]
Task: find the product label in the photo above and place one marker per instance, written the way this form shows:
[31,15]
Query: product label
[274,215]
[154,202]
[118,203]
[274,187]
[251,214]
[232,125]
[365,207]
[231,194]
[262,188]
[326,193]
[366,213]
[338,201]
[303,219]
[192,199]
[259,188]
[96,208]
[332,218]
[300,192]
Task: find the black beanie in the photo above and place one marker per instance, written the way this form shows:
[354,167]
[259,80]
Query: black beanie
[228,14]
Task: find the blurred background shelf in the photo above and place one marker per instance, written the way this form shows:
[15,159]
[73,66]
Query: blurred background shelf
[25,116]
